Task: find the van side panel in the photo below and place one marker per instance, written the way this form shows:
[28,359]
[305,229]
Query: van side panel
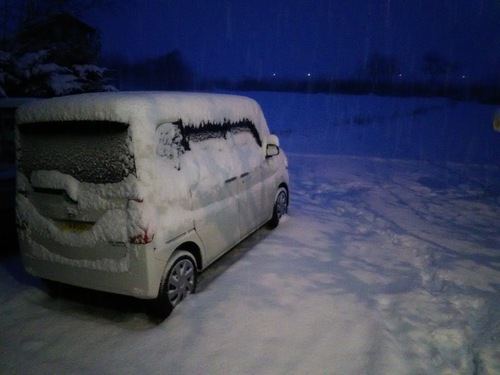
[252,206]
[215,198]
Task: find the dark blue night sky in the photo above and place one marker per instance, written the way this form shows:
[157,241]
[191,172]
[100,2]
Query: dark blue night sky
[294,38]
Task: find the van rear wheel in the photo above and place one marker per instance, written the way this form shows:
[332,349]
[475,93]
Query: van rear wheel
[280,207]
[179,281]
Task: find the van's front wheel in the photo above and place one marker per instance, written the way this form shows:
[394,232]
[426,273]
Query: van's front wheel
[178,282]
[280,207]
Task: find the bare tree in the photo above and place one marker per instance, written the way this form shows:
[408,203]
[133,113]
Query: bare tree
[437,67]
[380,69]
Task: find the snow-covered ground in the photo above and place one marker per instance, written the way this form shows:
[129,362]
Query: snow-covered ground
[383,266]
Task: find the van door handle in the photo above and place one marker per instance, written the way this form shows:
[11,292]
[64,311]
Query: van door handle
[231,180]
[245,174]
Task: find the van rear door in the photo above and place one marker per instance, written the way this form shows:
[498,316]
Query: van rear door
[67,164]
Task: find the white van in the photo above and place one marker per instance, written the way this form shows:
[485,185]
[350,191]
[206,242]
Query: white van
[135,193]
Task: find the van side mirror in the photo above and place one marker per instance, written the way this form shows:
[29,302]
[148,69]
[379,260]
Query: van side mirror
[272,150]
[273,145]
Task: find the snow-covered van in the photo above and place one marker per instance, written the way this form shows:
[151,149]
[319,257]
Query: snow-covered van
[135,193]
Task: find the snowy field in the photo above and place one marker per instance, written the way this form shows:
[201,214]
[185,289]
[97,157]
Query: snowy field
[388,263]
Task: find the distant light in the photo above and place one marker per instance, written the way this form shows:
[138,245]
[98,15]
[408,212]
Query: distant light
[464,76]
[274,74]
[400,75]
[308,74]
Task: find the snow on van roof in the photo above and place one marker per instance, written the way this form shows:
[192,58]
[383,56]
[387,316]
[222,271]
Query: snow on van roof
[138,108]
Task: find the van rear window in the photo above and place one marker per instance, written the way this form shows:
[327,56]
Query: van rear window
[90,151]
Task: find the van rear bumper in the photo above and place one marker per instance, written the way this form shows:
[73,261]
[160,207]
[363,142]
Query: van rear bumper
[126,269]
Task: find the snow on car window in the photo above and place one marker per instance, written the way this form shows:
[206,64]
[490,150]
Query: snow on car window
[90,151]
[174,140]
[171,142]
[220,130]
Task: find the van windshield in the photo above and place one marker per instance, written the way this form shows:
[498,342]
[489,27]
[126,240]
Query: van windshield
[90,151]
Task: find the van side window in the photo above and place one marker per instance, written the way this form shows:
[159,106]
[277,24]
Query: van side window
[173,139]
[171,143]
[219,130]
[206,131]
[246,126]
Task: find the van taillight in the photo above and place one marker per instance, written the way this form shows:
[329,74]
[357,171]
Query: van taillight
[144,235]
[142,238]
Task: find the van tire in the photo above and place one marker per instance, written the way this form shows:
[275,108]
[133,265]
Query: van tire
[178,282]
[280,208]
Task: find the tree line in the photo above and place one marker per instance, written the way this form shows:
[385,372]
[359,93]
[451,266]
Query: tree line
[381,75]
